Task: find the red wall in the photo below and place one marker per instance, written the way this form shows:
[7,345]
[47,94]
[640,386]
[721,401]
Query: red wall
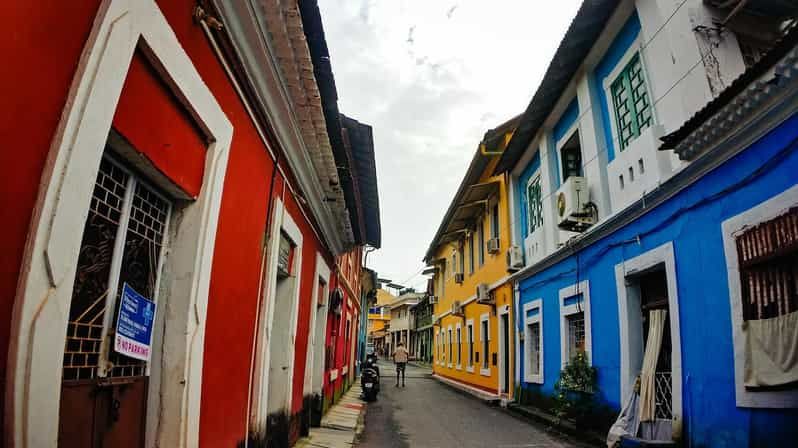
[44,45]
[40,49]
[150,117]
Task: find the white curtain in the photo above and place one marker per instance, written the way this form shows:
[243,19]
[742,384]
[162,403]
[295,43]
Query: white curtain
[656,326]
[771,350]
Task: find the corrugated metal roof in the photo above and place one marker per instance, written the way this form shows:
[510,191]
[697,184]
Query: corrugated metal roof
[676,139]
[361,143]
[574,48]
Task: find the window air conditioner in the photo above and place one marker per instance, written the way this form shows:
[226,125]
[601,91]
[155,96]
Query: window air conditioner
[483,295]
[575,212]
[515,258]
[493,245]
[433,300]
[457,308]
[459,277]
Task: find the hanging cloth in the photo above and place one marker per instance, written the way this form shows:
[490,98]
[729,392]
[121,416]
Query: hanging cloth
[771,351]
[647,374]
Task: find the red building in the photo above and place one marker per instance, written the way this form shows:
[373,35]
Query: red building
[196,156]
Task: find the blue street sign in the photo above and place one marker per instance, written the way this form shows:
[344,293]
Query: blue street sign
[134,324]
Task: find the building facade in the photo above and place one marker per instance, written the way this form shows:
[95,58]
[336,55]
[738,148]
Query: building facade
[399,328]
[192,164]
[468,258]
[379,318]
[421,316]
[653,261]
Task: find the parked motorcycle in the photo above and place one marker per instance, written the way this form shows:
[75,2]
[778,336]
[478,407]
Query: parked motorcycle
[370,378]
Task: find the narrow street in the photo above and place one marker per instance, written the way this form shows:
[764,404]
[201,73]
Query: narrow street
[427,413]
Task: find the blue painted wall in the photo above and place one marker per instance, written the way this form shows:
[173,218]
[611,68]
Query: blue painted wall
[620,45]
[530,169]
[691,220]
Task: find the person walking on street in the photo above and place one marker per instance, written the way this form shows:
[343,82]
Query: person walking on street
[400,357]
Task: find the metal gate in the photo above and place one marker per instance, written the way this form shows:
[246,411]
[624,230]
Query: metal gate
[104,393]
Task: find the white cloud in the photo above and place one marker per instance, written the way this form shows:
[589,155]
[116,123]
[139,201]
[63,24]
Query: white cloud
[431,77]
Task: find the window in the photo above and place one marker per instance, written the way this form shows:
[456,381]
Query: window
[470,340]
[571,157]
[533,342]
[105,266]
[630,102]
[576,333]
[575,322]
[461,256]
[459,348]
[471,253]
[494,221]
[534,202]
[481,236]
[485,337]
[450,347]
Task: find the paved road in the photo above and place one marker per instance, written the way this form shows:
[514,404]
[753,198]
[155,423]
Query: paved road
[427,413]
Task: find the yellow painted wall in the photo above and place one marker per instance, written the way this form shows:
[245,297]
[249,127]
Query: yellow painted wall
[447,291]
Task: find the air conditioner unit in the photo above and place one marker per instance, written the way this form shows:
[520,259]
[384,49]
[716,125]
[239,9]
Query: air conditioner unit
[433,300]
[515,258]
[493,245]
[575,212]
[459,277]
[483,295]
[457,308]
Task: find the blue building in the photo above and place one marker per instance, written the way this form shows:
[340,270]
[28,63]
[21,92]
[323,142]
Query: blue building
[655,201]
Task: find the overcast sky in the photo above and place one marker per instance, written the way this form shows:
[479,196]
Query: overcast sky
[431,77]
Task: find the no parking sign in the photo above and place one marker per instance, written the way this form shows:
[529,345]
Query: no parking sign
[134,324]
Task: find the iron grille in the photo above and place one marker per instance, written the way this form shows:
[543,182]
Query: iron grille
[144,215]
[535,204]
[663,396]
[576,333]
[90,291]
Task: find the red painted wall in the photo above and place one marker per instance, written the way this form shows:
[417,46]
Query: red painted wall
[45,44]
[40,49]
[150,117]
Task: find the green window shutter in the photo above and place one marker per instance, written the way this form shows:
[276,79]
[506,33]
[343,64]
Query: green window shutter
[534,205]
[630,102]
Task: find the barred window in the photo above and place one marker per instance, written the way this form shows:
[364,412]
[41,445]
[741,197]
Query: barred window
[631,103]
[576,333]
[768,256]
[534,204]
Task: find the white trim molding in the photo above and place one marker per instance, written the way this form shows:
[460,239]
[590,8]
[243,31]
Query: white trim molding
[314,362]
[449,360]
[631,324]
[536,304]
[470,364]
[764,211]
[483,336]
[44,292]
[582,288]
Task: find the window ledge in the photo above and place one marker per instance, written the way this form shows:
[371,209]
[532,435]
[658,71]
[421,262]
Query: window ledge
[470,369]
[484,372]
[459,367]
[534,379]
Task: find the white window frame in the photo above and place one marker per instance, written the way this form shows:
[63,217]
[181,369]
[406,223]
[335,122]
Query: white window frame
[582,288]
[764,211]
[635,48]
[34,359]
[631,325]
[470,327]
[459,335]
[529,320]
[484,337]
[450,341]
[563,140]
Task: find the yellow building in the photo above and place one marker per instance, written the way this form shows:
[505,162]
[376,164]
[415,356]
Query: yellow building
[468,257]
[379,318]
